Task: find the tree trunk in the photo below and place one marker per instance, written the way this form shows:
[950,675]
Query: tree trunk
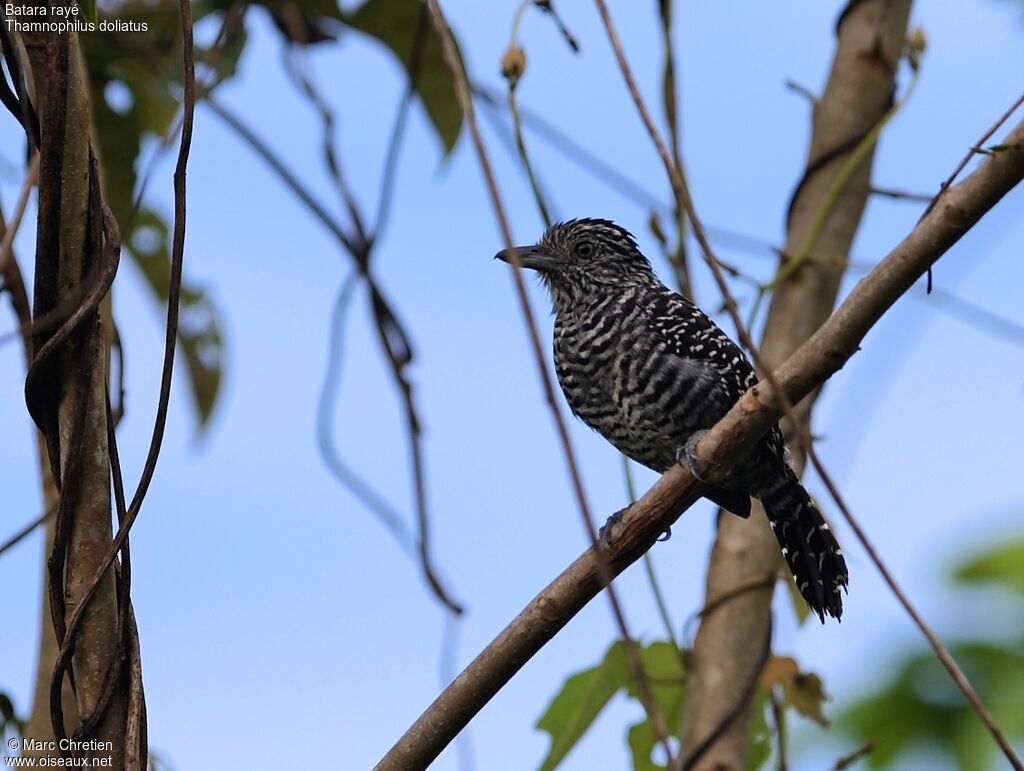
[731,638]
[67,397]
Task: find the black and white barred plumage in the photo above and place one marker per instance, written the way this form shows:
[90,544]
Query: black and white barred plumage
[648,370]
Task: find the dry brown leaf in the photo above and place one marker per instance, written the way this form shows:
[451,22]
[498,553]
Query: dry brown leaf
[805,694]
[779,669]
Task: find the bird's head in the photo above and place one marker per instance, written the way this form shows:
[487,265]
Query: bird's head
[581,259]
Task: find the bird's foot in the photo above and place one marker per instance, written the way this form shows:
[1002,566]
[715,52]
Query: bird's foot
[604,535]
[688,456]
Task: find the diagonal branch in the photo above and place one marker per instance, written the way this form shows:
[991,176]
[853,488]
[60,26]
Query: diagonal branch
[813,363]
[465,97]
[857,98]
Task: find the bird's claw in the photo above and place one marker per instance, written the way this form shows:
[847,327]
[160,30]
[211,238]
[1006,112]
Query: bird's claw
[688,456]
[604,535]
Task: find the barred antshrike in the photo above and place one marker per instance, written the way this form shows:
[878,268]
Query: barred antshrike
[649,371]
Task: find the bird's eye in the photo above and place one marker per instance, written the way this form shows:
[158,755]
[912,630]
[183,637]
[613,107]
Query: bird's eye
[584,249]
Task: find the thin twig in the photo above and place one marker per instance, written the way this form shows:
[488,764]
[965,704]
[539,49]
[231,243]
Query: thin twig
[512,77]
[388,175]
[652,579]
[674,173]
[851,164]
[848,760]
[232,22]
[11,229]
[392,336]
[684,202]
[517,124]
[636,664]
[20,106]
[977,316]
[779,718]
[127,517]
[291,181]
[298,68]
[749,689]
[13,283]
[542,206]
[447,671]
[750,585]
[941,651]
[329,391]
[802,90]
[588,161]
[27,529]
[809,366]
[466,100]
[679,187]
[944,300]
[971,153]
[901,195]
[677,257]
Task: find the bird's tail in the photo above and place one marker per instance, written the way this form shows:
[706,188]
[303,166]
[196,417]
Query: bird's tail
[807,542]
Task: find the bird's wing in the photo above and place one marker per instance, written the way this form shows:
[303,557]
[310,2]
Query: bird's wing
[702,350]
[705,346]
[716,370]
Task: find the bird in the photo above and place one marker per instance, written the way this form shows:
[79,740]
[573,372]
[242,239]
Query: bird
[651,372]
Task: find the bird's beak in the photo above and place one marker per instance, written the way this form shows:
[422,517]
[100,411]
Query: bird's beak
[529,257]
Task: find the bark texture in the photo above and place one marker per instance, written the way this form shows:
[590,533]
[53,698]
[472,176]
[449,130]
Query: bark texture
[38,725]
[67,398]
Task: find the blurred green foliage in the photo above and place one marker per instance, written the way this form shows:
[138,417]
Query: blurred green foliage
[406,29]
[137,84]
[919,707]
[137,80]
[585,695]
[10,723]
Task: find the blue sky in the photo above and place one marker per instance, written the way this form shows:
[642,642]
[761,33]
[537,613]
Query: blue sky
[281,626]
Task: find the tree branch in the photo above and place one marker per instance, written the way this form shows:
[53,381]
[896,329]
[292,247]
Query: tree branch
[465,97]
[857,96]
[813,363]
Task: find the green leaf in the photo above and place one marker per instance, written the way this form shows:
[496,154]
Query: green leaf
[199,337]
[1003,565]
[9,719]
[642,742]
[760,734]
[144,71]
[398,24]
[146,68]
[663,666]
[580,701]
[920,707]
[88,10]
